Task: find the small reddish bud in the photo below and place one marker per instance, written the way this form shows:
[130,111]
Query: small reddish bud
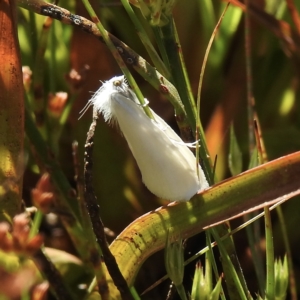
[57,103]
[27,76]
[34,244]
[39,292]
[77,79]
[43,196]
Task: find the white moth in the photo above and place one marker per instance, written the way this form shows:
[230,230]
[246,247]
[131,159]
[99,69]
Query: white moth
[167,165]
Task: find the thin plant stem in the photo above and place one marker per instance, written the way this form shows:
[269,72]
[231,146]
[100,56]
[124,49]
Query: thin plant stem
[181,291]
[250,97]
[145,40]
[100,278]
[251,232]
[55,279]
[211,258]
[159,40]
[269,288]
[38,104]
[36,223]
[292,285]
[234,276]
[33,33]
[96,222]
[199,130]
[270,279]
[177,69]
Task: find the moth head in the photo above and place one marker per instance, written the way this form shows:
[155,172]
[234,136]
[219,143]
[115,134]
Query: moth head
[102,98]
[121,85]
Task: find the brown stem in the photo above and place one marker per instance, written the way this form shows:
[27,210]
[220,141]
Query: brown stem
[94,213]
[53,276]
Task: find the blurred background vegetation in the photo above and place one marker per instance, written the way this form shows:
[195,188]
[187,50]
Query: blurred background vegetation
[64,59]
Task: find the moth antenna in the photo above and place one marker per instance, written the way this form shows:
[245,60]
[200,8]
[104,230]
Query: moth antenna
[89,103]
[84,110]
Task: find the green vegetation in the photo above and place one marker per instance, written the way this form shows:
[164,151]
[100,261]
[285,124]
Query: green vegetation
[230,75]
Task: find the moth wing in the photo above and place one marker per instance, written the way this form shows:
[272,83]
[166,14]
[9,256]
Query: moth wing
[168,169]
[186,152]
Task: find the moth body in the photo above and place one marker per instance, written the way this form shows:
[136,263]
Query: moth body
[167,165]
